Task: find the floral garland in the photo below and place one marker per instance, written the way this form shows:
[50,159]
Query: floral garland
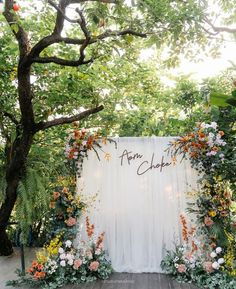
[207,255]
[61,262]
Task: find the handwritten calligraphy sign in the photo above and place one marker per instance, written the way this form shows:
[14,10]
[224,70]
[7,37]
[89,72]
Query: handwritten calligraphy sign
[143,165]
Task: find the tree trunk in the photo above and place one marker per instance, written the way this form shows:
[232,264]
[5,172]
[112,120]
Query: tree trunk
[5,213]
[16,170]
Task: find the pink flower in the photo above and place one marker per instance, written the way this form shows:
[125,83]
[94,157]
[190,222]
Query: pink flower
[182,268]
[208,221]
[94,266]
[77,264]
[71,222]
[208,266]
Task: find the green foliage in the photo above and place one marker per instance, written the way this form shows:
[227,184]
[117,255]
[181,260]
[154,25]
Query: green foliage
[32,202]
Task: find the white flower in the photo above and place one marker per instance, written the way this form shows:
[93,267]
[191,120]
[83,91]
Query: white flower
[192,266]
[213,254]
[215,265]
[98,252]
[221,155]
[70,256]
[221,261]
[68,243]
[61,250]
[176,259]
[177,266]
[70,262]
[218,250]
[214,125]
[63,256]
[63,263]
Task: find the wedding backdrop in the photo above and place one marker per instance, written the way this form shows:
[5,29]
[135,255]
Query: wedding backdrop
[141,192]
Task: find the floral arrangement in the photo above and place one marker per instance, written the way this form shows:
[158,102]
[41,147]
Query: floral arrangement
[204,146]
[62,262]
[207,255]
[79,143]
[196,261]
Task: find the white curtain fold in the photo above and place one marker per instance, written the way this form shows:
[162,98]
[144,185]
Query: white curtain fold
[139,213]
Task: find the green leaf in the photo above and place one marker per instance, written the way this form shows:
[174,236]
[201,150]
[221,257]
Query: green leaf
[15,27]
[234,93]
[219,99]
[231,101]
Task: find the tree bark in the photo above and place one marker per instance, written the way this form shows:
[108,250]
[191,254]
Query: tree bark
[17,156]
[15,172]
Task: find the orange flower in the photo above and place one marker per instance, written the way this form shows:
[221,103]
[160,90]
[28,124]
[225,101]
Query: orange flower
[100,240]
[52,205]
[30,270]
[194,247]
[42,275]
[193,155]
[69,210]
[40,267]
[185,148]
[201,134]
[76,134]
[36,275]
[184,228]
[90,142]
[56,195]
[34,264]
[184,139]
[89,228]
[221,133]
[213,245]
[215,149]
[65,190]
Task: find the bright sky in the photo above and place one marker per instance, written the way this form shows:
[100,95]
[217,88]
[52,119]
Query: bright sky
[208,67]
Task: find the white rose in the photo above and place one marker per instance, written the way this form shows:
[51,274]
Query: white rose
[213,254]
[61,250]
[70,262]
[63,263]
[68,243]
[70,256]
[221,261]
[215,265]
[63,256]
[218,250]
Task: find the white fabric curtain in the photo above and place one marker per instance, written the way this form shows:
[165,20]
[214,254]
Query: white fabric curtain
[139,213]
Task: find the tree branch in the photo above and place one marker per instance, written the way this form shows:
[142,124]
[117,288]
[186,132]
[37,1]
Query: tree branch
[61,61]
[17,30]
[11,117]
[219,29]
[66,120]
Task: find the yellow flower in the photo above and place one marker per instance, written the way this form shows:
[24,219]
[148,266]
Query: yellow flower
[212,213]
[69,210]
[53,247]
[42,256]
